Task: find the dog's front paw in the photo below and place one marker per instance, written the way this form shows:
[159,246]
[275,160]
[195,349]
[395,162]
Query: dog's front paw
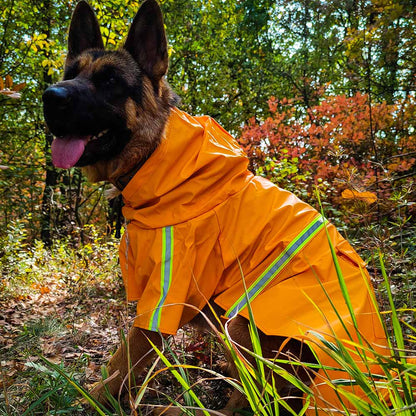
[226,368]
[105,391]
[98,393]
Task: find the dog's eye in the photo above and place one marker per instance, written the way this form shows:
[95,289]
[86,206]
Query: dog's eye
[110,82]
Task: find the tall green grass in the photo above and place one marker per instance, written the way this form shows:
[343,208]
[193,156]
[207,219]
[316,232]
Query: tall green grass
[389,392]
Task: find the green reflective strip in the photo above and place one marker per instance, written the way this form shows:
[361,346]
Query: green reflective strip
[165,276]
[277,266]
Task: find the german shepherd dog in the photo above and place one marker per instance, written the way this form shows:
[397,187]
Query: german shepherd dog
[109,115]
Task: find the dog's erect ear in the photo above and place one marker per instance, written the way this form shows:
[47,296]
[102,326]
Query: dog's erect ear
[146,41]
[84,32]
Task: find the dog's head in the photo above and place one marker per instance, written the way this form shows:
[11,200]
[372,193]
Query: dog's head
[111,107]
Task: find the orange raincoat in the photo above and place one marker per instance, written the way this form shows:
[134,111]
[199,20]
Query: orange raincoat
[201,227]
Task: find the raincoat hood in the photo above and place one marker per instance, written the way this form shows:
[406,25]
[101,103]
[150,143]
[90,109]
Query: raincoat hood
[161,193]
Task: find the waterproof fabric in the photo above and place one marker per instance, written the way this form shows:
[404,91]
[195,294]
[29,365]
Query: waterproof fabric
[202,227]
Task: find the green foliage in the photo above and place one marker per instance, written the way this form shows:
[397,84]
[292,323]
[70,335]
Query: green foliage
[26,268]
[216,47]
[31,50]
[45,391]
[285,173]
[52,389]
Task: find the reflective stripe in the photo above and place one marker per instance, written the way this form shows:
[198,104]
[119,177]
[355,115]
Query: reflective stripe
[165,276]
[277,266]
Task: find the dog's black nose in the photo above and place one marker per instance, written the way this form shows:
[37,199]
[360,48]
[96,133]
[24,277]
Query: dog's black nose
[56,97]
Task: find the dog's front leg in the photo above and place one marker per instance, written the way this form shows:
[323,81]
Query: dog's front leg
[128,361]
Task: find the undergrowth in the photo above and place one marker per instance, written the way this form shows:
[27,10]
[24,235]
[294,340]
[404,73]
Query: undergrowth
[62,302]
[27,267]
[55,385]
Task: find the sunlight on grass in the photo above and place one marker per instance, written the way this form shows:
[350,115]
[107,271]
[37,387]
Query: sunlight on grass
[352,379]
[387,393]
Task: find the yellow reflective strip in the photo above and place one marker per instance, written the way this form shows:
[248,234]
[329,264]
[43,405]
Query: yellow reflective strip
[277,265]
[165,276]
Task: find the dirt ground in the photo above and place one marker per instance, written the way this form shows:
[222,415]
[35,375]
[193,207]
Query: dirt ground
[79,330]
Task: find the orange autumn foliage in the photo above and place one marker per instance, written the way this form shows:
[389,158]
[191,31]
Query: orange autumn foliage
[344,143]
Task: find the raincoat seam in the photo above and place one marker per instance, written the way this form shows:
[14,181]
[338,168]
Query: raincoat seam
[219,238]
[138,223]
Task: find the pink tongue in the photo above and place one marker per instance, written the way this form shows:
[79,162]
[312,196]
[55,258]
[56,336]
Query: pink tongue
[66,151]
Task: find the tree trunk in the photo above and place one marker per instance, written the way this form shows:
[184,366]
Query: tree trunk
[51,178]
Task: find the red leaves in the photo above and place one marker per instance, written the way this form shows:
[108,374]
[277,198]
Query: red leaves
[344,142]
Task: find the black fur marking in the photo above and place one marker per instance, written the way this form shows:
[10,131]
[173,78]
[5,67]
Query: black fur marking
[135,92]
[107,76]
[71,71]
[97,53]
[84,31]
[105,148]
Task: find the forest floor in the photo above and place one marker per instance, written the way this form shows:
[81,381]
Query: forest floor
[67,304]
[78,331]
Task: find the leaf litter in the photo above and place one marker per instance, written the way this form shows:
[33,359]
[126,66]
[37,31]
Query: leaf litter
[80,328]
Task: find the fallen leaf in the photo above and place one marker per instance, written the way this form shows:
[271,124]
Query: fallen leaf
[367,197]
[19,87]
[44,289]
